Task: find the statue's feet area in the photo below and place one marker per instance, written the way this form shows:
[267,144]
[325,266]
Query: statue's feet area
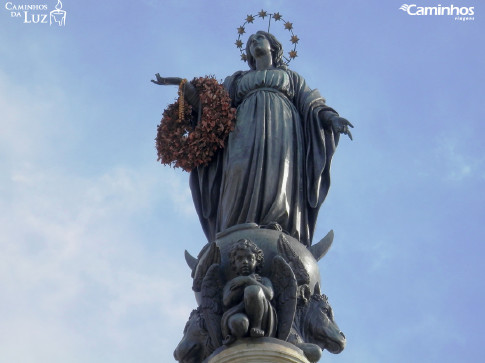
[256,333]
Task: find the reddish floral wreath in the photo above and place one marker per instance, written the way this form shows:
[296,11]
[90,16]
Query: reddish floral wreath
[181,144]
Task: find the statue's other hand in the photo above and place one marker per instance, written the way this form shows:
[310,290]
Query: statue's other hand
[166,81]
[341,125]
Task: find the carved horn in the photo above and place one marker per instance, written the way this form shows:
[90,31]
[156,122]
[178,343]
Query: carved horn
[191,260]
[316,289]
[321,248]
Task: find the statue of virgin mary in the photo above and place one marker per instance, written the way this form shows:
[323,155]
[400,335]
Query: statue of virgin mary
[275,168]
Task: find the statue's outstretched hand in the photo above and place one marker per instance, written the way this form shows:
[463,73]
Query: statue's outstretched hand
[189,91]
[167,80]
[341,125]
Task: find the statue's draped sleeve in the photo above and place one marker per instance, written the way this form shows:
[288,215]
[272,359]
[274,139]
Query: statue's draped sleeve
[320,144]
[205,198]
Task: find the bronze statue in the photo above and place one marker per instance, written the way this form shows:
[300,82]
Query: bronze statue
[276,164]
[258,199]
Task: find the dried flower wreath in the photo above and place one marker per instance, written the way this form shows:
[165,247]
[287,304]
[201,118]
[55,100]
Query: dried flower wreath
[181,144]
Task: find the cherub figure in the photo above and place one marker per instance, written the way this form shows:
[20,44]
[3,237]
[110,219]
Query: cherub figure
[247,297]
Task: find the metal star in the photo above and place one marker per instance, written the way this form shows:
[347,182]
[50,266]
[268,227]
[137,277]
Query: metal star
[239,43]
[288,25]
[262,14]
[293,54]
[244,57]
[241,30]
[294,39]
[250,18]
[276,16]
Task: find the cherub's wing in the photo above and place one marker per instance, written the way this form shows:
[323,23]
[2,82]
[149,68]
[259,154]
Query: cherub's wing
[211,304]
[285,295]
[209,255]
[293,260]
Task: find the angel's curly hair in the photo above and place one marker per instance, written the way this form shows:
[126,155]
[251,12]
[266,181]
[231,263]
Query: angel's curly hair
[246,244]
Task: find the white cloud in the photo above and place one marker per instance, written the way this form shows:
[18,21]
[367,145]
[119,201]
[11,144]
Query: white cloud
[28,117]
[80,280]
[459,164]
[74,272]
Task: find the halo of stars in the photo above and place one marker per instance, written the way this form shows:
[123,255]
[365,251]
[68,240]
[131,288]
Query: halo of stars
[292,54]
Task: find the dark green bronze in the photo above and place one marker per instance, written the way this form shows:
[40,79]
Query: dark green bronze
[265,188]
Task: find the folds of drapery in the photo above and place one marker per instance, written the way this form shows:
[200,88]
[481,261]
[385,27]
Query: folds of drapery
[316,145]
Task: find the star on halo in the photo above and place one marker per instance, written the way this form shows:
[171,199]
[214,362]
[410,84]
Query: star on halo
[294,39]
[241,30]
[288,25]
[262,14]
[239,43]
[293,54]
[277,16]
[250,18]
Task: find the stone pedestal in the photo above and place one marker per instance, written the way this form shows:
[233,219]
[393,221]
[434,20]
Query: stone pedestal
[261,350]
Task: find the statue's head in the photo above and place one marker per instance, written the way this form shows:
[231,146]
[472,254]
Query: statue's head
[244,248]
[276,50]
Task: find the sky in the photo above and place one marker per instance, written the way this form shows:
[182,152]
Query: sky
[93,230]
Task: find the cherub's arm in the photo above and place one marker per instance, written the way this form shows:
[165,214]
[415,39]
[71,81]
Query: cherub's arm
[233,290]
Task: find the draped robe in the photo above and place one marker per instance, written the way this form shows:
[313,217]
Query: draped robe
[275,166]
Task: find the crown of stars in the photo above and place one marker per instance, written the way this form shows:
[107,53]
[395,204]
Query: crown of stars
[276,17]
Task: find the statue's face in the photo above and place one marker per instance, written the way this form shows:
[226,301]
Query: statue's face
[259,45]
[245,262]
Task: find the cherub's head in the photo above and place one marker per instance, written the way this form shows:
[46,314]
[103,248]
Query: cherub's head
[246,257]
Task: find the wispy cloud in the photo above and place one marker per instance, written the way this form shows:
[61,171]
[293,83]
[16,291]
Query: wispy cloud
[79,280]
[73,271]
[457,162]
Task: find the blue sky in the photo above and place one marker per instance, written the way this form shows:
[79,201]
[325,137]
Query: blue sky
[92,229]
